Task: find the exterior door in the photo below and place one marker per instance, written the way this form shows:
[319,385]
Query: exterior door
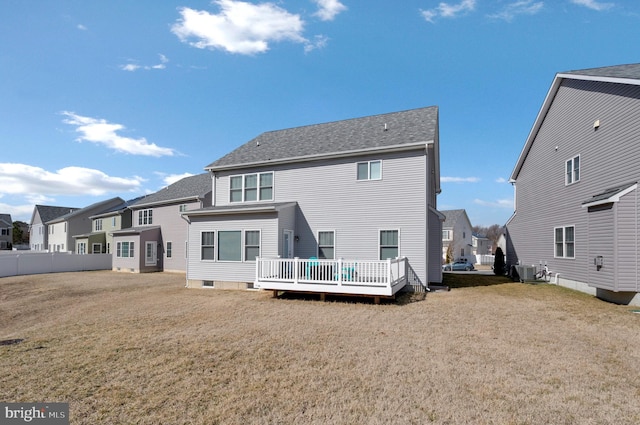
[151,253]
[287,244]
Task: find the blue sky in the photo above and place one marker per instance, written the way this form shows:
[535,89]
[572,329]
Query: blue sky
[119,98]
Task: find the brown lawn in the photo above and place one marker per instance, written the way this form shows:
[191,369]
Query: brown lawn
[124,348]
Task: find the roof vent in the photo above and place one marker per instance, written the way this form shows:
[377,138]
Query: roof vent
[385,127]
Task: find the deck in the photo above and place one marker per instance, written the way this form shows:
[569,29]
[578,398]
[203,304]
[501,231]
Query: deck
[349,277]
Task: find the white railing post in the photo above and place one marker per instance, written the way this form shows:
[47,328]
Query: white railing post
[389,272]
[257,282]
[339,272]
[296,266]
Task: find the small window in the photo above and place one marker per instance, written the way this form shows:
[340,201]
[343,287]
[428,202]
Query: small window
[446,235]
[98,225]
[169,249]
[96,248]
[251,245]
[389,247]
[572,170]
[207,283]
[183,207]
[326,245]
[371,170]
[564,238]
[230,245]
[207,246]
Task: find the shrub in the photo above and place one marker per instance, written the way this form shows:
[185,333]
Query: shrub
[498,262]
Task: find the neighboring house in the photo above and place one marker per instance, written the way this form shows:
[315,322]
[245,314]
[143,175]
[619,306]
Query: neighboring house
[481,245]
[576,184]
[361,189]
[457,235]
[157,240]
[100,240]
[63,229]
[6,231]
[38,229]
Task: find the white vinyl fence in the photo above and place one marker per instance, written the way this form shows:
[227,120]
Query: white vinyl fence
[15,264]
[485,259]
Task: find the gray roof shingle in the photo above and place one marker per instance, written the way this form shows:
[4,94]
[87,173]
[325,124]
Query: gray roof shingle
[189,187]
[48,213]
[352,135]
[607,194]
[630,71]
[451,217]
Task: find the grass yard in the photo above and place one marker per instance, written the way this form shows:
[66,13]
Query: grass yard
[142,349]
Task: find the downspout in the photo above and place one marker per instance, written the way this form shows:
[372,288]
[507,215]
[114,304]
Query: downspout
[186,276]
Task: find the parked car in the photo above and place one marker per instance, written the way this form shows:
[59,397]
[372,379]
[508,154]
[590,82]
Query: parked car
[458,266]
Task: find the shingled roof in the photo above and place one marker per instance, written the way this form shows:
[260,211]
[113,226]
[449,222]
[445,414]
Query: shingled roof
[630,71]
[48,213]
[192,187]
[316,141]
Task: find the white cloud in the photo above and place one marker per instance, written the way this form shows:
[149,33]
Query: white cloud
[523,7]
[446,10]
[329,9]
[172,178]
[593,4]
[81,27]
[134,67]
[240,27]
[500,203]
[501,180]
[38,184]
[459,179]
[97,130]
[18,212]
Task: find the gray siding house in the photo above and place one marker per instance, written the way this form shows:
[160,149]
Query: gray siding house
[457,236]
[62,229]
[359,189]
[157,237]
[6,231]
[38,229]
[576,193]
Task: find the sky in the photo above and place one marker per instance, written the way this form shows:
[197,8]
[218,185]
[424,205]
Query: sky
[121,98]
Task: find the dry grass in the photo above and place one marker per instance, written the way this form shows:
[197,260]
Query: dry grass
[142,349]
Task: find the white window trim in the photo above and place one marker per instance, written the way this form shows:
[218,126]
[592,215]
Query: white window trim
[131,252]
[368,170]
[169,249]
[449,234]
[258,187]
[215,241]
[573,180]
[99,245]
[335,240]
[380,246]
[564,242]
[142,221]
[244,245]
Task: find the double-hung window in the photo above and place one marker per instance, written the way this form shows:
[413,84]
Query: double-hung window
[251,187]
[98,225]
[447,235]
[564,238]
[389,246]
[251,245]
[207,246]
[326,245]
[572,170]
[370,170]
[145,217]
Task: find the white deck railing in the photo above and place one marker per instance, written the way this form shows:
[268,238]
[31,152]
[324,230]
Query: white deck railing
[382,278]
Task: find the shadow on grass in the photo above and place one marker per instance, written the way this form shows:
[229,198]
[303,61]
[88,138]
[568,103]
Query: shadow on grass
[463,280]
